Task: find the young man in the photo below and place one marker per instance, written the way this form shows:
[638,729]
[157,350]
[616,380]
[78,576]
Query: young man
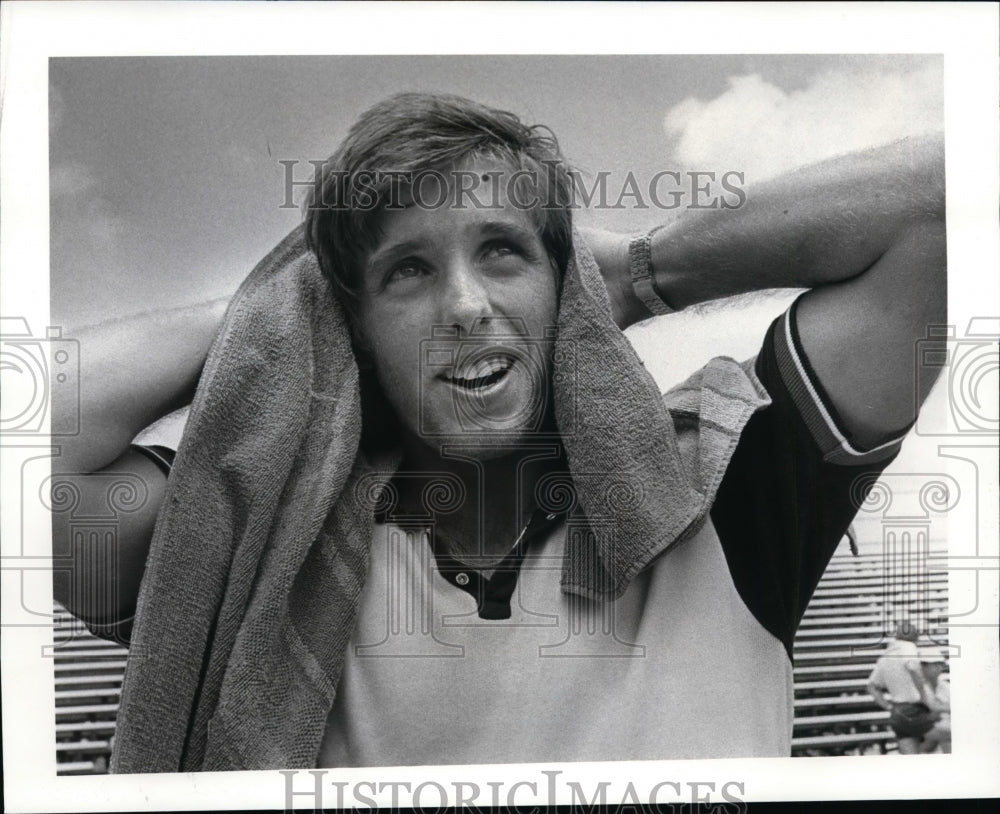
[557,562]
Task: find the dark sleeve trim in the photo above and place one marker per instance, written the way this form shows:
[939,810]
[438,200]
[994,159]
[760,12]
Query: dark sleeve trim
[815,406]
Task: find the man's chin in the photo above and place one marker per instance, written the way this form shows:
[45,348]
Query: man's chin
[486,445]
[487,440]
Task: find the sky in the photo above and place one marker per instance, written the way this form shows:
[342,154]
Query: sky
[166,186]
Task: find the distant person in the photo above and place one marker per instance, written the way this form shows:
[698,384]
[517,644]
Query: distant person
[938,698]
[897,685]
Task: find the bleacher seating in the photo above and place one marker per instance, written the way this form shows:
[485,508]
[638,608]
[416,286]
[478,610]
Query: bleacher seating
[88,679]
[842,634]
[844,631]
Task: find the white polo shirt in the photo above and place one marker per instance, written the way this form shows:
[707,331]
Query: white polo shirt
[693,661]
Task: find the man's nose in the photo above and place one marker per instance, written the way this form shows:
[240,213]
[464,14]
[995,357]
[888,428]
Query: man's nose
[465,300]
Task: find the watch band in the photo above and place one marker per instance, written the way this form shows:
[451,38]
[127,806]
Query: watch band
[640,262]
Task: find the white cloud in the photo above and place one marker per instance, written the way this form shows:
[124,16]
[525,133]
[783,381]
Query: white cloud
[762,130]
[758,128]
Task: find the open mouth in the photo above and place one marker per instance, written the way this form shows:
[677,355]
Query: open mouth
[482,374]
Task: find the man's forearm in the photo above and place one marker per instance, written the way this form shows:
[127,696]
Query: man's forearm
[132,372]
[817,225]
[879,697]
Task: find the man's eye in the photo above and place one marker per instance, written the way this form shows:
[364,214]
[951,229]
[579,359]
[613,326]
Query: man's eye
[495,250]
[405,271]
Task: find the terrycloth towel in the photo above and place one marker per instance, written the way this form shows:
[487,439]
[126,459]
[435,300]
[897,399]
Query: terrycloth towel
[261,548]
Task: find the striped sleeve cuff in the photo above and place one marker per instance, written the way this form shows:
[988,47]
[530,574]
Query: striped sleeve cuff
[162,456]
[815,407]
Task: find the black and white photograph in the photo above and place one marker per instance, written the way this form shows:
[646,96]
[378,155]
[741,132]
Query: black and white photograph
[401,428]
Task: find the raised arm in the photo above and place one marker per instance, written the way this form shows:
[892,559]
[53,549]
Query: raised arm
[864,231]
[132,372]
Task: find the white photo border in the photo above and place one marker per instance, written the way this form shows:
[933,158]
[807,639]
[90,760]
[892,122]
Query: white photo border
[965,34]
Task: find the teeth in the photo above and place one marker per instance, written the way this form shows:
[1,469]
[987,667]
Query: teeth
[483,368]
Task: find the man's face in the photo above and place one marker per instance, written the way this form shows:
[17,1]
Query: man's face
[453,312]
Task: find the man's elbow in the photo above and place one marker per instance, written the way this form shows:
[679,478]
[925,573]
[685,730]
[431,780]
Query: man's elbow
[927,158]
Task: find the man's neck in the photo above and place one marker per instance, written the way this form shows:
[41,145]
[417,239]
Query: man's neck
[479,500]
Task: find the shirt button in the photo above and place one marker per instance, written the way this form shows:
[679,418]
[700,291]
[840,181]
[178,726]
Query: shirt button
[462,579]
